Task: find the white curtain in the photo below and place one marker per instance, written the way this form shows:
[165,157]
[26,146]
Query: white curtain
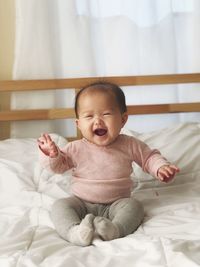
[80,38]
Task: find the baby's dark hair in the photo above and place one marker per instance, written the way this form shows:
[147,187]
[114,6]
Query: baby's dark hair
[104,86]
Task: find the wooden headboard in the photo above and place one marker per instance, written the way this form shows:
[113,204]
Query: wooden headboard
[76,83]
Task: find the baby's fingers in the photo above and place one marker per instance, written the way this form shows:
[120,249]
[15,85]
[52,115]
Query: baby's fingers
[174,168]
[41,140]
[47,138]
[162,175]
[165,171]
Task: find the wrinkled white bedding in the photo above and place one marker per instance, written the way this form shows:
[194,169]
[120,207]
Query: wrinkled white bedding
[169,235]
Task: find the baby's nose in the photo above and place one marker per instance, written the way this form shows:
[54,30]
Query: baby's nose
[98,121]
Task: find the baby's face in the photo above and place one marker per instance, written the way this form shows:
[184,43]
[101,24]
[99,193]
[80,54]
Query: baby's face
[100,119]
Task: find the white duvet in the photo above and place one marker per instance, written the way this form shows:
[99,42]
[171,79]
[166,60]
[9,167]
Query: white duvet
[169,235]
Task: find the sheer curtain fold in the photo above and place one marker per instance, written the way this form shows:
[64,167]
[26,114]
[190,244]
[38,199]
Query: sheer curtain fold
[79,38]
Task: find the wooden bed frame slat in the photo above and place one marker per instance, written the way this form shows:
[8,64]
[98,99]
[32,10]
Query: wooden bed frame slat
[164,108]
[7,116]
[68,113]
[39,114]
[29,85]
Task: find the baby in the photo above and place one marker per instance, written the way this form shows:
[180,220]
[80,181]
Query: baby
[101,162]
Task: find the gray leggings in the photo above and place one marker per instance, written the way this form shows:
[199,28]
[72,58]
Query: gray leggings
[126,213]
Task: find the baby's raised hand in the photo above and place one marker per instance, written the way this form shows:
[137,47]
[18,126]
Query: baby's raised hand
[47,145]
[167,172]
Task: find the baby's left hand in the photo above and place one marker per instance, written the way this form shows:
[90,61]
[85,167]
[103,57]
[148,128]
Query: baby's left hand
[167,172]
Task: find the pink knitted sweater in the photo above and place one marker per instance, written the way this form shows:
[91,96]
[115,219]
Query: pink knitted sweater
[102,174]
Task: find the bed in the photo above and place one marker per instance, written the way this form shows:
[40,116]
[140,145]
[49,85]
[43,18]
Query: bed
[170,232]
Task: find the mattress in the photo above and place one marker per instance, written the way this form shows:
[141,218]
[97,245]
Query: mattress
[168,236]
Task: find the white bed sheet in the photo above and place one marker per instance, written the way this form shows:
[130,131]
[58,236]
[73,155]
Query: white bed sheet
[169,235]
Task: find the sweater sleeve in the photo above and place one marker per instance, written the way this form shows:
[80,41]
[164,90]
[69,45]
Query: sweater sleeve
[150,160]
[58,164]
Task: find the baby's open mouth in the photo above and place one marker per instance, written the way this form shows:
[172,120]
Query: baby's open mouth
[100,131]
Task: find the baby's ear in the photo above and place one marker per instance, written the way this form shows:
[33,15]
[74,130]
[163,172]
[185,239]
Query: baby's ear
[77,122]
[124,118]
